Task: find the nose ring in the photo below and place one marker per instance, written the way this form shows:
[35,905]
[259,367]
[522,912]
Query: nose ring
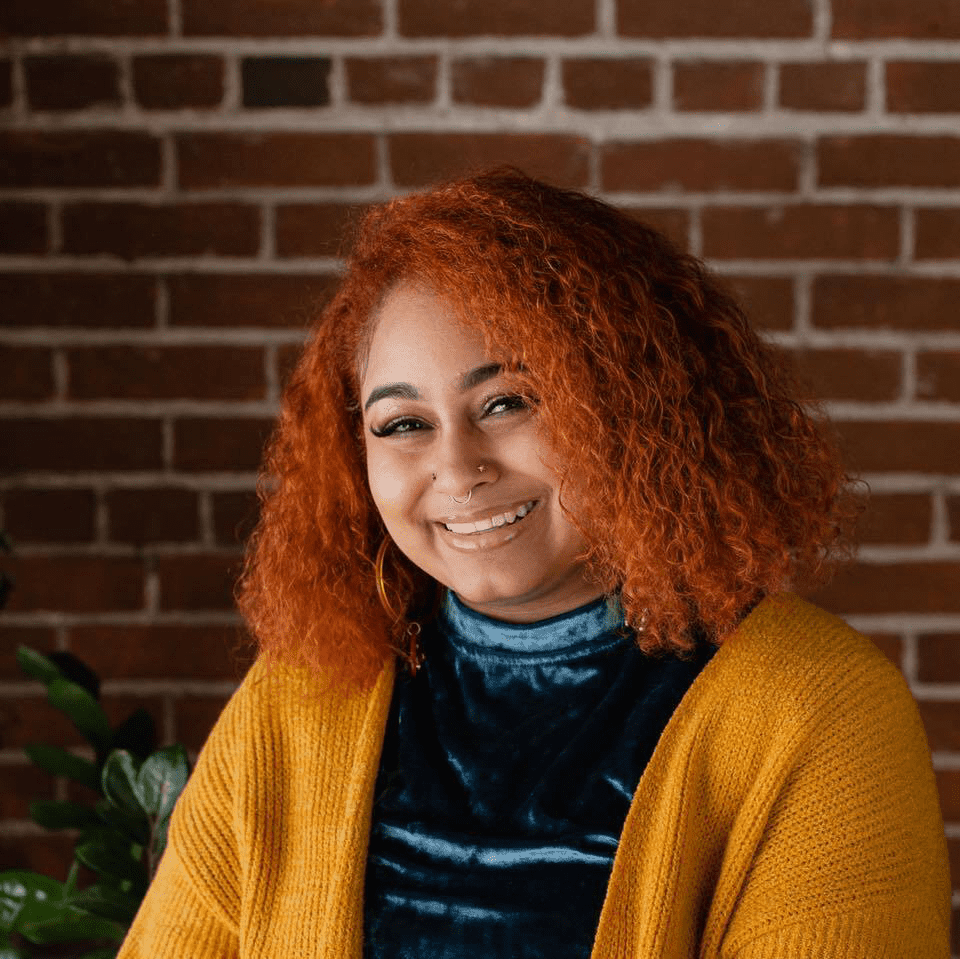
[460,502]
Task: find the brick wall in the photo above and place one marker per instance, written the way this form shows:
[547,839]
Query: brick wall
[173,178]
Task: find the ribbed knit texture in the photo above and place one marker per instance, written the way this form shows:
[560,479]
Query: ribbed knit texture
[788,812]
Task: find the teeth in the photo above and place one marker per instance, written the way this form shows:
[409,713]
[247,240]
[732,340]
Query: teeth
[501,519]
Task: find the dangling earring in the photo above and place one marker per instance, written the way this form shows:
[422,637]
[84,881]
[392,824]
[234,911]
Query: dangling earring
[413,654]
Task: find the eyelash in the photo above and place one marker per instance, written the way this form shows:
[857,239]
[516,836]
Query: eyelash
[389,429]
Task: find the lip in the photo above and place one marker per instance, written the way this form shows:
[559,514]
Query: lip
[488,539]
[485,513]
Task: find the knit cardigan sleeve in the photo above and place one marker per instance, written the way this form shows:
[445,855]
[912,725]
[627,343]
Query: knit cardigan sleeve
[191,909]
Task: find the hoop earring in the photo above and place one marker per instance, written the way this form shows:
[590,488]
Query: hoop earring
[414,654]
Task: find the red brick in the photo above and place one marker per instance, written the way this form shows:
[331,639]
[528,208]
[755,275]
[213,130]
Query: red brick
[220,444]
[23,785]
[953,516]
[77,299]
[937,234]
[498,18]
[897,518]
[133,230]
[174,81]
[802,232]
[903,446]
[167,372]
[163,514]
[71,82]
[284,300]
[314,229]
[6,83]
[81,158]
[497,81]
[160,651]
[938,659]
[285,81]
[841,374]
[885,302]
[194,718]
[83,17]
[391,79]
[50,515]
[938,375]
[700,165]
[888,159]
[896,19]
[287,358]
[234,516]
[77,584]
[214,160]
[41,638]
[81,443]
[282,18]
[418,159]
[23,228]
[948,785]
[823,85]
[923,87]
[890,646]
[895,588]
[941,719]
[672,222]
[715,18]
[27,373]
[194,582]
[607,83]
[767,300]
[31,719]
[50,854]
[708,85]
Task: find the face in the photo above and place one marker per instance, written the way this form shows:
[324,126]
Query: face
[436,408]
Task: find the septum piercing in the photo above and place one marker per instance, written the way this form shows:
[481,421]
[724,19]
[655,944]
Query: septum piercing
[462,502]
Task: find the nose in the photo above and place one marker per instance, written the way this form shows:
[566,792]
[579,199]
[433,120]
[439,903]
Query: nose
[462,463]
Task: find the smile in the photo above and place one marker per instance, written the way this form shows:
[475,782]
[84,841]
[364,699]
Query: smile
[491,522]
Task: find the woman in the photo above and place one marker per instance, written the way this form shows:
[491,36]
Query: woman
[536,458]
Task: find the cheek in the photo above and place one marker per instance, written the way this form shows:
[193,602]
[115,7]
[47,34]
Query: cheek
[387,487]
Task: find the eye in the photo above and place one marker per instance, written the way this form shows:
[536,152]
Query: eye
[504,404]
[401,426]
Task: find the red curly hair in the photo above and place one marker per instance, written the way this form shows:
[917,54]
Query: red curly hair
[709,484]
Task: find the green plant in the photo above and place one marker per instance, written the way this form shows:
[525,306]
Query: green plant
[120,835]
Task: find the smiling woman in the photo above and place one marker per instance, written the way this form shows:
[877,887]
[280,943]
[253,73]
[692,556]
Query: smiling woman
[538,457]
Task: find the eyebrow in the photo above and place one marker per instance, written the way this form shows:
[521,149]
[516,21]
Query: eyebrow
[407,392]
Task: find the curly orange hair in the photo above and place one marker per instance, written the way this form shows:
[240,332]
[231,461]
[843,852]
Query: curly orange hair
[709,484]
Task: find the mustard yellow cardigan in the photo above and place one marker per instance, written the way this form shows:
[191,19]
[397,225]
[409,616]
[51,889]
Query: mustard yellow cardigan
[788,812]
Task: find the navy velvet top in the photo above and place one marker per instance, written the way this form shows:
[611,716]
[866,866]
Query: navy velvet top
[508,767]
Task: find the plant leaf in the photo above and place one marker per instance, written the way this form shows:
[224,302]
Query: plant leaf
[59,762]
[77,671]
[37,666]
[54,814]
[109,901]
[83,711]
[137,734]
[111,856]
[119,781]
[68,924]
[21,891]
[11,952]
[133,825]
[98,954]
[161,780]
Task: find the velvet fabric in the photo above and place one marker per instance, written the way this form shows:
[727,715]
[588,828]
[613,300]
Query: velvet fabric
[508,766]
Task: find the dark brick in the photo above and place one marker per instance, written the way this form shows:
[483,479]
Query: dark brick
[81,443]
[672,222]
[885,302]
[77,584]
[706,85]
[839,374]
[167,372]
[50,515]
[71,82]
[154,515]
[897,518]
[391,79]
[939,658]
[41,638]
[289,18]
[175,81]
[938,375]
[6,84]
[497,81]
[937,234]
[221,445]
[736,19]
[23,785]
[23,228]
[280,300]
[198,582]
[83,18]
[608,83]
[77,299]
[923,87]
[889,160]
[285,81]
[767,300]
[213,160]
[235,515]
[896,19]
[902,447]
[194,718]
[904,588]
[27,373]
[81,158]
[418,159]
[314,229]
[823,86]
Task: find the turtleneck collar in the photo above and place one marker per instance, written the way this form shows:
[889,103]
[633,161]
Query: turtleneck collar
[564,636]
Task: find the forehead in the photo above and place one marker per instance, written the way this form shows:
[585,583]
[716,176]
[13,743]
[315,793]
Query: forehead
[418,338]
